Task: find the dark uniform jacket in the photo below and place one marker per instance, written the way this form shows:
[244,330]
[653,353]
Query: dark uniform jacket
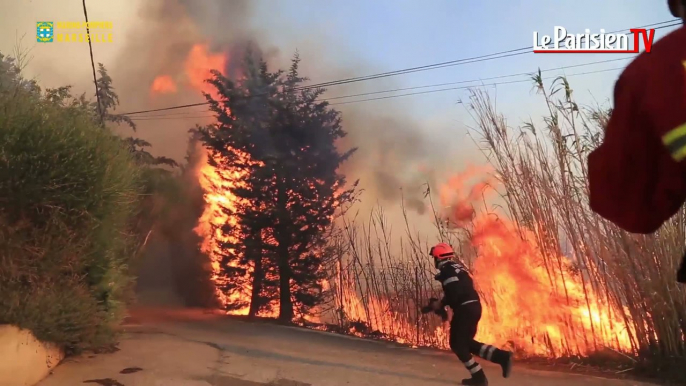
[637,176]
[458,286]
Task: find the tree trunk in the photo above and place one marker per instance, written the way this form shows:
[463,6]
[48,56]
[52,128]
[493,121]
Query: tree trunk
[285,302]
[254,252]
[283,238]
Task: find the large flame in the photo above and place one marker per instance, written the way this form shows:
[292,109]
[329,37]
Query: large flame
[198,68]
[528,305]
[537,302]
[216,183]
[163,84]
[538,309]
[199,64]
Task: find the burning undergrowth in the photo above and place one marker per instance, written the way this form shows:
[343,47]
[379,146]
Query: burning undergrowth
[535,300]
[534,297]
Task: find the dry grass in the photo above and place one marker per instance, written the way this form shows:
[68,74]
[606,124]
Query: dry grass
[543,174]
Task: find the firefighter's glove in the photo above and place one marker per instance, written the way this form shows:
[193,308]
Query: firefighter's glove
[435,307]
[431,307]
[442,313]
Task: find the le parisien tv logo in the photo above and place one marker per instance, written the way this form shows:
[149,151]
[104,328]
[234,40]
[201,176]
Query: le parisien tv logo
[597,43]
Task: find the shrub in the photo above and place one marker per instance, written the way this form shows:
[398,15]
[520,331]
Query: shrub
[68,193]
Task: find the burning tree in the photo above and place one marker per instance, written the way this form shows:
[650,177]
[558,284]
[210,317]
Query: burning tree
[277,144]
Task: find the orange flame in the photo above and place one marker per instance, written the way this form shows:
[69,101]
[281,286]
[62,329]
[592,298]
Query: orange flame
[535,308]
[163,84]
[199,64]
[539,307]
[198,68]
[540,311]
[217,184]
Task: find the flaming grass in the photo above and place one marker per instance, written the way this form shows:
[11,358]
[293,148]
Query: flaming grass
[618,289]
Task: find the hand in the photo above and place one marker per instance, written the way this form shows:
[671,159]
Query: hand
[433,306]
[426,309]
[443,314]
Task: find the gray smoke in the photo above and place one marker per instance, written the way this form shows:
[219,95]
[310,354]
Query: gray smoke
[394,157]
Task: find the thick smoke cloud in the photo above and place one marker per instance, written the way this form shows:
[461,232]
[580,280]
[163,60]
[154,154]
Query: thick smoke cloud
[393,154]
[395,159]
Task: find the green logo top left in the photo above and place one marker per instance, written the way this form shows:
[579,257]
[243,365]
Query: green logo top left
[45,31]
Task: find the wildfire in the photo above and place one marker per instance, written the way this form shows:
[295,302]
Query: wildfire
[199,64]
[215,183]
[163,84]
[538,303]
[538,308]
[218,196]
[532,302]
[198,68]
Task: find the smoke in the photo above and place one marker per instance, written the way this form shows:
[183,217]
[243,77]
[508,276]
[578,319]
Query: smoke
[395,160]
[394,157]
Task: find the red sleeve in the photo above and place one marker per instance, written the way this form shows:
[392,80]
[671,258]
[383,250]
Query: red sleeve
[633,180]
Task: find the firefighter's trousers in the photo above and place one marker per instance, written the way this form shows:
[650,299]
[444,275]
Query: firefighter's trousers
[463,328]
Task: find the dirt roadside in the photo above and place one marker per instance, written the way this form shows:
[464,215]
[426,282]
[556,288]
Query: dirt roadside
[190,348]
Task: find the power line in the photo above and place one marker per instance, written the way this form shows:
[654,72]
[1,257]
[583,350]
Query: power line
[476,80]
[435,85]
[95,78]
[177,113]
[477,59]
[497,55]
[464,61]
[172,118]
[168,108]
[467,87]
[400,95]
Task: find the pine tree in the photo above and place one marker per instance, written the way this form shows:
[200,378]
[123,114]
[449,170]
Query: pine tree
[290,189]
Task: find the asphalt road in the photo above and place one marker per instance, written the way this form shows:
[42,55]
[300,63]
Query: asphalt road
[190,348]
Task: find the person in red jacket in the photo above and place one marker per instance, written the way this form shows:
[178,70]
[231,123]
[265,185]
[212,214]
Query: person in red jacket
[637,176]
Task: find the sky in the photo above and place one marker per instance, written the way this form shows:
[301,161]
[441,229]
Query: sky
[393,35]
[359,37]
[385,35]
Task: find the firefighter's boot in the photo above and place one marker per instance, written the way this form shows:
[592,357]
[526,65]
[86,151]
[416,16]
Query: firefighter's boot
[505,362]
[497,356]
[477,379]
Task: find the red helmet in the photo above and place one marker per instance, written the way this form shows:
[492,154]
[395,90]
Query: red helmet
[442,252]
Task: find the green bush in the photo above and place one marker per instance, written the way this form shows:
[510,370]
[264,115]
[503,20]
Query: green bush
[68,192]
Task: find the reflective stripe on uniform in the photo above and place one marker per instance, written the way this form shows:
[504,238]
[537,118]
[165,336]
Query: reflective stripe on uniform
[472,366]
[450,280]
[675,141]
[468,301]
[475,369]
[486,351]
[489,353]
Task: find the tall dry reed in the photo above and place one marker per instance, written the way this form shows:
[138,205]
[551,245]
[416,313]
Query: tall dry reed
[543,176]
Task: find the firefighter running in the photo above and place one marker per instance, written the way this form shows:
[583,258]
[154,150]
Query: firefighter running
[461,296]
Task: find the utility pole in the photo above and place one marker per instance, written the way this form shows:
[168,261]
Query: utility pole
[95,78]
